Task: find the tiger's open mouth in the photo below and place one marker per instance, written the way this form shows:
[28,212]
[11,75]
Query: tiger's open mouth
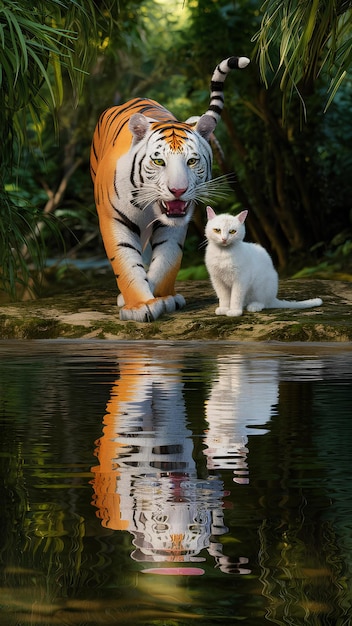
[174,208]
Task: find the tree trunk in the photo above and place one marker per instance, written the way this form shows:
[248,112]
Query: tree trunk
[259,204]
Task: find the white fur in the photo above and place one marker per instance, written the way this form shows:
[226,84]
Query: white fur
[154,183]
[153,190]
[242,273]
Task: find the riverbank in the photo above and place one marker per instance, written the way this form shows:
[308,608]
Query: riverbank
[91,313]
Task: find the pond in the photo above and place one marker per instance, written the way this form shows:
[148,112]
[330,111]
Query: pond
[175,484]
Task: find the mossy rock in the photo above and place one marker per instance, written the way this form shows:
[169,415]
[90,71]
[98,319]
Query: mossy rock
[92,313]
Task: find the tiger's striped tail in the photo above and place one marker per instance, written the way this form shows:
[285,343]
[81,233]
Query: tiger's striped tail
[216,104]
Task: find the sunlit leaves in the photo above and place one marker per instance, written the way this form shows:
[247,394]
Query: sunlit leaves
[37,42]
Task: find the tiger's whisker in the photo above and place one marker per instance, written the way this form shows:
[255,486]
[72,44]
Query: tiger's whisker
[152,222]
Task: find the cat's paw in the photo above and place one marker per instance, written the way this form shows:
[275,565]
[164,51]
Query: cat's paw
[254,307]
[234,312]
[221,310]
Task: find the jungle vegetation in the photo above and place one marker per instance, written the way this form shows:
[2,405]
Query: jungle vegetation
[285,133]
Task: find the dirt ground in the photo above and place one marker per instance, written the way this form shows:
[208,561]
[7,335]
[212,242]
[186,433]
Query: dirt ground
[91,313]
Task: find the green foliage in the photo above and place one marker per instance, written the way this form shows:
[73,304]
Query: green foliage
[290,174]
[17,222]
[196,272]
[299,40]
[336,262]
[39,45]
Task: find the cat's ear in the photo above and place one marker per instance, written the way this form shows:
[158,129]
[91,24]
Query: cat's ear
[242,216]
[210,213]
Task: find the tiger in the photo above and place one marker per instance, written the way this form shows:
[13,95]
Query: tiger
[149,170]
[146,479]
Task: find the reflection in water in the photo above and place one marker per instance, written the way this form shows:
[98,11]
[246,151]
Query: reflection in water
[146,481]
[242,398]
[182,484]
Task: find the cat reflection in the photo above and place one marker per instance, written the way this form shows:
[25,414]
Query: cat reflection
[241,402]
[146,481]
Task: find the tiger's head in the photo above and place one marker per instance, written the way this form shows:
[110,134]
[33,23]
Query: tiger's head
[171,167]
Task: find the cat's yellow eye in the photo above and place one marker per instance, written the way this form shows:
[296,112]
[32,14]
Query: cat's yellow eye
[232,231]
[159,162]
[217,230]
[192,161]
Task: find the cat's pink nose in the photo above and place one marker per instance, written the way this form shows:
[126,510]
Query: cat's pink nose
[178,192]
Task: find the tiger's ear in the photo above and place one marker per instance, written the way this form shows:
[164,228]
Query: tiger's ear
[205,126]
[138,126]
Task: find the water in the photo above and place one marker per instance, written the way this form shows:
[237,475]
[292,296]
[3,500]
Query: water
[171,485]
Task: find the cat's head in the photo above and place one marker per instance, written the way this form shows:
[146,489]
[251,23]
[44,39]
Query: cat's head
[225,229]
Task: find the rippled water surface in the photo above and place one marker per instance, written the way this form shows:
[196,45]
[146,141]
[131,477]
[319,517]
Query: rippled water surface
[175,484]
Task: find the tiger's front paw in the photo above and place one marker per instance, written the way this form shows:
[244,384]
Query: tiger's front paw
[180,302]
[151,310]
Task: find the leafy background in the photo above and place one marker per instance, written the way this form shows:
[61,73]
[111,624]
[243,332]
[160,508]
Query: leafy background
[285,131]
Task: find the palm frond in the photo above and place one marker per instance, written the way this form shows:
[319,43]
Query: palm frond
[15,224]
[39,43]
[299,40]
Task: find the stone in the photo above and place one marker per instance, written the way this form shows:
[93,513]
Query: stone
[92,313]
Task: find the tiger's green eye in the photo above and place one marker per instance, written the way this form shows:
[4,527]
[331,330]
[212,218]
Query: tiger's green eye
[159,162]
[192,161]
[232,231]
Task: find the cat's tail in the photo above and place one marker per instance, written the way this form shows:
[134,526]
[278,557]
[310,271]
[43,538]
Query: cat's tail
[295,304]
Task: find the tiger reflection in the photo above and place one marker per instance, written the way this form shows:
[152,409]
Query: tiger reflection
[146,481]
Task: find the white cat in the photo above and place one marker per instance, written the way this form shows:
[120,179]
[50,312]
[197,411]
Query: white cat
[242,273]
